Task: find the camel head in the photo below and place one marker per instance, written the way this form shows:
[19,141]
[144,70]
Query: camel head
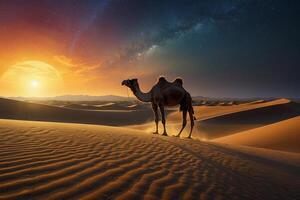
[131,83]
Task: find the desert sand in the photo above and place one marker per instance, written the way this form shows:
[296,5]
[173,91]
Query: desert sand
[256,115]
[282,135]
[247,150]
[45,160]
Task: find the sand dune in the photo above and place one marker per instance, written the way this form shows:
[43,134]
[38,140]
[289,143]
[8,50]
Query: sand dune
[110,106]
[207,112]
[235,122]
[11,109]
[283,135]
[42,160]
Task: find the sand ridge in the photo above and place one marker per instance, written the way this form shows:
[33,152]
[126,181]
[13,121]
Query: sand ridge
[43,160]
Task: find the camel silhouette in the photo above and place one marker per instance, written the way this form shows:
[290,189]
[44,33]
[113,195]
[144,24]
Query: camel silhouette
[165,93]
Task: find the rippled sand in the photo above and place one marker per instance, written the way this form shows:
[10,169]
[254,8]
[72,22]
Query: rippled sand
[44,160]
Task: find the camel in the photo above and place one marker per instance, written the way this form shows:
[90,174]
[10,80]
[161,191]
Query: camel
[165,93]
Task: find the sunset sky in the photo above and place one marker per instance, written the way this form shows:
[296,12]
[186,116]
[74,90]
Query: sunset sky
[222,48]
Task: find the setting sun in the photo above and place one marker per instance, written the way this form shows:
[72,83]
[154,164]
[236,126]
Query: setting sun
[32,78]
[34,84]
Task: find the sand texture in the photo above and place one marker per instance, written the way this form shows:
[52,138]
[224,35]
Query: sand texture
[46,160]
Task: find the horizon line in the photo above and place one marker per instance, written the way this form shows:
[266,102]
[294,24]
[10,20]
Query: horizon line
[194,96]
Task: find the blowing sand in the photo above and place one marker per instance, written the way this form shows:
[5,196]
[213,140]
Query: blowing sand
[45,160]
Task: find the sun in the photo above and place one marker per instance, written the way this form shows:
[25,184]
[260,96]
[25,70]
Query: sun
[34,84]
[33,78]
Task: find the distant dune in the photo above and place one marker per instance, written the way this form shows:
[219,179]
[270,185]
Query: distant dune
[44,160]
[75,98]
[106,106]
[11,109]
[110,106]
[284,135]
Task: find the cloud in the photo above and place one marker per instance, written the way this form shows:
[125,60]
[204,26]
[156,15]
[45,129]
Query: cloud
[64,60]
[75,69]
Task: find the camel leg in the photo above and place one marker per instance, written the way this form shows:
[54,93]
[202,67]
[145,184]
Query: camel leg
[155,110]
[163,119]
[184,112]
[192,123]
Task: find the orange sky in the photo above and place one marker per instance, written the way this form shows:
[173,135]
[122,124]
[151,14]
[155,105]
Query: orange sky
[91,59]
[81,74]
[78,77]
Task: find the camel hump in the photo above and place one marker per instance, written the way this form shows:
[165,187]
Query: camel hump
[178,82]
[162,82]
[162,79]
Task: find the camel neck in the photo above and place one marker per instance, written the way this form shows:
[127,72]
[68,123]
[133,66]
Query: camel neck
[144,97]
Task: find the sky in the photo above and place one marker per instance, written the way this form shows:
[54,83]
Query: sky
[221,48]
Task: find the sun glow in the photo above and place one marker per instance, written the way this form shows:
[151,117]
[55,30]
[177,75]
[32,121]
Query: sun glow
[34,84]
[33,78]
